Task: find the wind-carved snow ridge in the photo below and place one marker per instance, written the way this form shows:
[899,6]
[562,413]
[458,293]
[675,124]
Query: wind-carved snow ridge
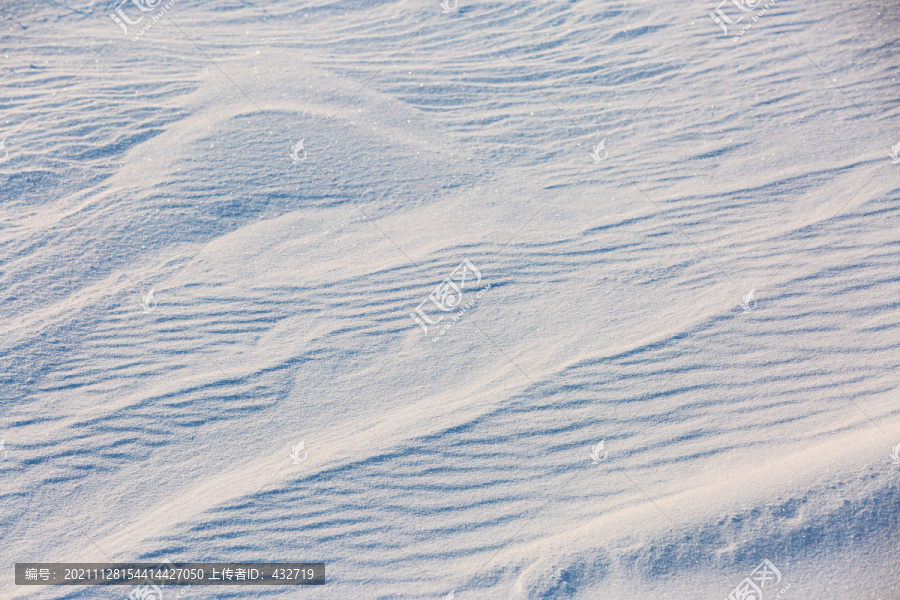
[544,300]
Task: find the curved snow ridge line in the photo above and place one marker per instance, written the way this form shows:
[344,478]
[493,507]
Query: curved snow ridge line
[798,230]
[376,478]
[211,323]
[760,515]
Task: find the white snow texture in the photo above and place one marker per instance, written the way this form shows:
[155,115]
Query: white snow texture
[188,293]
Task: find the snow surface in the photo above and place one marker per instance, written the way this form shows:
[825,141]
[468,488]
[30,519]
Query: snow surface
[282,294]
